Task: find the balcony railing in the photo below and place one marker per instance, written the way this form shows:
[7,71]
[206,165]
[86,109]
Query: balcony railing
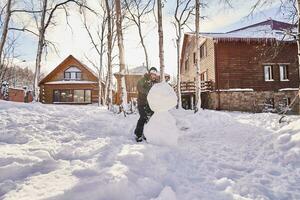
[190,87]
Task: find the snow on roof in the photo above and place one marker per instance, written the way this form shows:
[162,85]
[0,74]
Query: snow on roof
[269,29]
[70,82]
[141,70]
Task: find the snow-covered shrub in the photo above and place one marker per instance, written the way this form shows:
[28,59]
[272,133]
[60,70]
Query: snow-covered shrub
[4,90]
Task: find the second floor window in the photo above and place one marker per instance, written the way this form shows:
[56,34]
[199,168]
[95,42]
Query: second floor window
[203,76]
[283,72]
[268,71]
[186,65]
[72,73]
[203,50]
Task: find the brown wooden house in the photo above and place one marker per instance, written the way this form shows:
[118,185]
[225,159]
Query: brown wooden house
[245,69]
[71,82]
[132,76]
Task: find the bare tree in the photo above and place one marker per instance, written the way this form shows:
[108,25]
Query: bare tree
[5,28]
[298,45]
[109,54]
[161,40]
[137,10]
[45,20]
[98,42]
[198,82]
[183,11]
[8,56]
[122,86]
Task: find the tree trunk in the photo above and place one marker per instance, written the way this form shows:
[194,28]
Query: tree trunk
[143,44]
[198,81]
[178,44]
[5,29]
[298,44]
[109,55]
[100,88]
[106,89]
[41,44]
[122,87]
[161,41]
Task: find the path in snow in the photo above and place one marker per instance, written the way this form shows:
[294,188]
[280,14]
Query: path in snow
[83,152]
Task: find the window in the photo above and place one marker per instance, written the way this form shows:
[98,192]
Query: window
[67,75]
[194,57]
[79,96]
[56,95]
[66,96]
[72,96]
[186,65]
[72,73]
[203,76]
[268,71]
[203,52]
[283,72]
[88,96]
[286,101]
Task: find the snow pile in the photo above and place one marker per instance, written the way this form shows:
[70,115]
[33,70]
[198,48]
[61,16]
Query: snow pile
[223,183]
[288,144]
[161,128]
[166,194]
[60,152]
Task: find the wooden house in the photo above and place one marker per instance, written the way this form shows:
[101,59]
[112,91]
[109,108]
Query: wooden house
[18,95]
[244,69]
[132,76]
[71,82]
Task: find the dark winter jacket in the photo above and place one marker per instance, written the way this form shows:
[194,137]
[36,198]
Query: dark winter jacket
[143,86]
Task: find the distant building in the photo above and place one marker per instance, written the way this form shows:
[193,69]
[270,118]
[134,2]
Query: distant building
[17,95]
[132,76]
[244,69]
[71,82]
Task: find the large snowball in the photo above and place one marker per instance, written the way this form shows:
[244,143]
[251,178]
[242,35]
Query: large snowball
[161,97]
[161,129]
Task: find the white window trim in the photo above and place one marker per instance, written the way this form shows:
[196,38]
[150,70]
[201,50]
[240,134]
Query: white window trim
[271,75]
[280,72]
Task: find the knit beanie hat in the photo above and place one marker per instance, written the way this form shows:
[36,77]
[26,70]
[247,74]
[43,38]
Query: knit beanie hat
[153,70]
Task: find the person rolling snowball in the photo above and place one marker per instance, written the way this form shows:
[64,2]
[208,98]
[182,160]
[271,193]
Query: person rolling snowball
[143,86]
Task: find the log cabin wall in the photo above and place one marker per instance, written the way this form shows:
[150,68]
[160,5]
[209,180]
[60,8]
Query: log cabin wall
[241,65]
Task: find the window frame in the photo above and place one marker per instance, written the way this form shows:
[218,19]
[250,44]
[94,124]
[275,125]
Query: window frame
[73,75]
[186,65]
[203,50]
[72,92]
[270,74]
[283,72]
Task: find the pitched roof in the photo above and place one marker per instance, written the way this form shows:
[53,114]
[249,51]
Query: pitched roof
[268,30]
[57,68]
[140,70]
[264,31]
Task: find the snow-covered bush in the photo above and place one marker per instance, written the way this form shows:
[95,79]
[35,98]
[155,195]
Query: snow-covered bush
[4,90]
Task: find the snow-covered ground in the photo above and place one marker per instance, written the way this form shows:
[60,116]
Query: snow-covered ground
[59,152]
